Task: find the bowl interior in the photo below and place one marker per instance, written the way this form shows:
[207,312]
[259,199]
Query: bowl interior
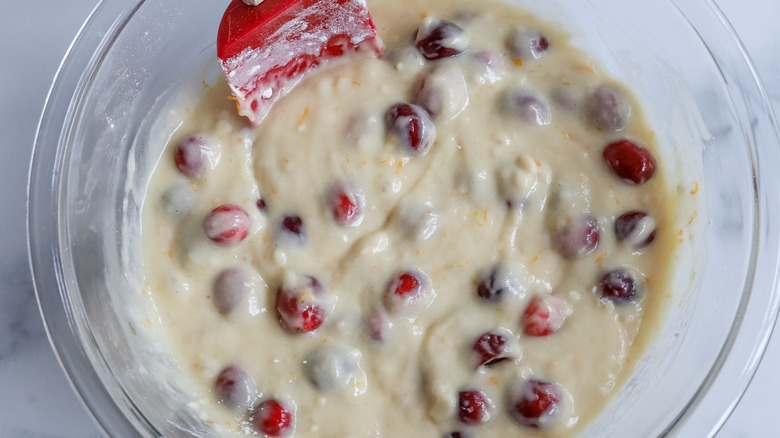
[108,110]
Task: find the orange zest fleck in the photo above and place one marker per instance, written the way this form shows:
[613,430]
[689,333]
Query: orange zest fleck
[484,217]
[695,188]
[494,381]
[303,116]
[517,61]
[205,85]
[567,83]
[235,99]
[286,161]
[357,83]
[695,213]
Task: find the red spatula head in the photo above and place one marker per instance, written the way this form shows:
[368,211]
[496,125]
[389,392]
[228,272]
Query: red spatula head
[266,50]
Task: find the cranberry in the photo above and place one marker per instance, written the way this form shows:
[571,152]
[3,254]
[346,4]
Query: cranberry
[535,403]
[347,203]
[190,155]
[235,387]
[618,286]
[496,284]
[405,292]
[457,434]
[273,418]
[227,225]
[487,66]
[419,221]
[438,39]
[608,109]
[527,107]
[412,126]
[379,327]
[329,368]
[629,161]
[293,225]
[261,205]
[300,306]
[635,228]
[492,348]
[442,92]
[544,315]
[578,238]
[474,407]
[230,287]
[179,199]
[527,44]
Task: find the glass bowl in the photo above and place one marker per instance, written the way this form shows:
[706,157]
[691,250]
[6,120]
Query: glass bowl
[93,157]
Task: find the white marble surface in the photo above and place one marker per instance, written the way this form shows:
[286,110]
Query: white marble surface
[36,400]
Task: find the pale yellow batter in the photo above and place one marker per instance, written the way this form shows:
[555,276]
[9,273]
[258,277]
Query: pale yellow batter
[493,194]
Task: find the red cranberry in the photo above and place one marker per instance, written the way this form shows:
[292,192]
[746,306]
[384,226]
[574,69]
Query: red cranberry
[527,107]
[474,407]
[527,44]
[635,228]
[235,388]
[379,327]
[544,315]
[492,348]
[405,292]
[442,92]
[629,161]
[608,109]
[438,39]
[230,287]
[419,221]
[273,418]
[300,306]
[497,284]
[227,225]
[457,434]
[578,238]
[293,225]
[487,65]
[261,205]
[535,403]
[190,155]
[412,126]
[329,368]
[618,286]
[179,199]
[347,203]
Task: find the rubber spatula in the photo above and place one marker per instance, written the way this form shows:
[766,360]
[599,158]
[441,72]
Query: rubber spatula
[265,50]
